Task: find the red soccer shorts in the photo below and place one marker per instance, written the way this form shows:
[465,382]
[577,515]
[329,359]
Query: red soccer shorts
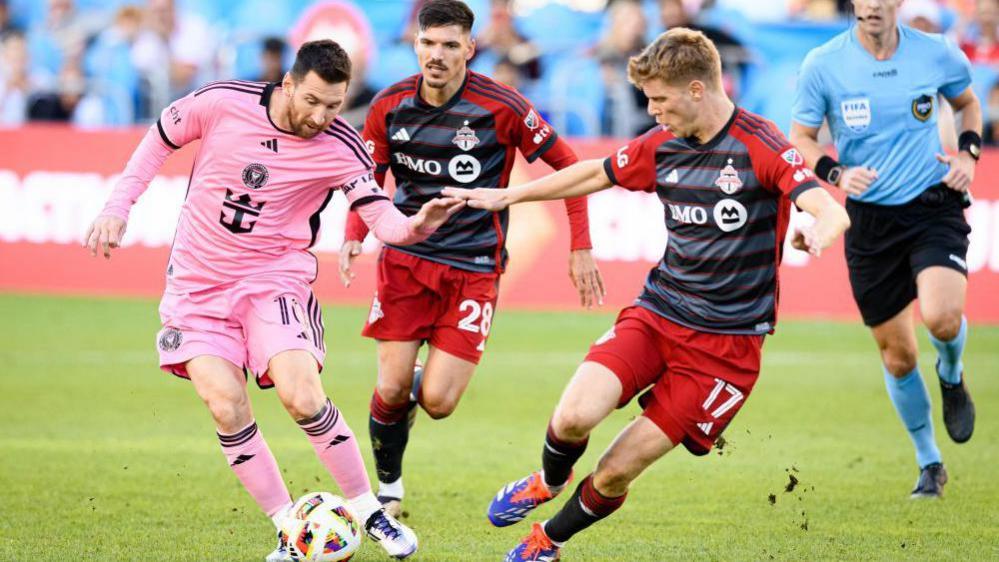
[699,380]
[418,299]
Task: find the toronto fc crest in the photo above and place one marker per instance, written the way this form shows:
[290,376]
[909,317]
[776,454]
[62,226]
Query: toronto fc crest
[728,179]
[465,138]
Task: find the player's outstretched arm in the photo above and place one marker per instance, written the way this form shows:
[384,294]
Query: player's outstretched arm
[831,221]
[582,178]
[389,225]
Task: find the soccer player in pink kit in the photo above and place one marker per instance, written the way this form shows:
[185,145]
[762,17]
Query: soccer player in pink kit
[238,293]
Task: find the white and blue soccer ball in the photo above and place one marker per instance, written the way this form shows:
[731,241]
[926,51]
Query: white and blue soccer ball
[321,527]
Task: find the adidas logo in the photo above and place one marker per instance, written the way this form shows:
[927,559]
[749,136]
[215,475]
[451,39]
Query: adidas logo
[673,177]
[241,459]
[706,427]
[271,144]
[337,440]
[402,135]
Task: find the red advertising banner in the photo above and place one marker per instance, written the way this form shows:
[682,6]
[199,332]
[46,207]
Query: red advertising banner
[53,181]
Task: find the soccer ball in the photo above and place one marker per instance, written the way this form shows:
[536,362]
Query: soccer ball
[321,527]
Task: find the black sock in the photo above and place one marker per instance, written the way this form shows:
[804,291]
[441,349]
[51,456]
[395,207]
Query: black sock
[389,432]
[584,508]
[558,457]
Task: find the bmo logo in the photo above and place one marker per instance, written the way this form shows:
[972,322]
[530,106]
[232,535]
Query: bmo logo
[730,215]
[687,214]
[464,168]
[419,165]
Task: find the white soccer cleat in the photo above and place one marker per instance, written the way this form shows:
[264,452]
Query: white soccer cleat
[398,540]
[281,553]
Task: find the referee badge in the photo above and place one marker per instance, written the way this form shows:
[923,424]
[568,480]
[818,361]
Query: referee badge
[922,107]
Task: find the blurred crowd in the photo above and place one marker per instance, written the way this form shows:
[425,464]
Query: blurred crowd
[106,63]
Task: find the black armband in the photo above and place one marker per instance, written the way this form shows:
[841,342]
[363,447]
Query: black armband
[970,142]
[829,170]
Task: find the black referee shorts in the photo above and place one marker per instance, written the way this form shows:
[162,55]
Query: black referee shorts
[888,245]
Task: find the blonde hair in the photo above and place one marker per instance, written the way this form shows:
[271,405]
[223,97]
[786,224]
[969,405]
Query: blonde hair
[677,57]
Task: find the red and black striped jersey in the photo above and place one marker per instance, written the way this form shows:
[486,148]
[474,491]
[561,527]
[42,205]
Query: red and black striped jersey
[727,205]
[470,141]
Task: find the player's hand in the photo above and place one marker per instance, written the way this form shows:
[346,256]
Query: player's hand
[480,198]
[586,278]
[856,180]
[350,250]
[961,173]
[105,233]
[435,212]
[806,240]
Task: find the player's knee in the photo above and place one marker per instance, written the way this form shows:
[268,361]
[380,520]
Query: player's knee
[612,477]
[231,413]
[900,361]
[944,325]
[304,403]
[392,392]
[570,425]
[438,408]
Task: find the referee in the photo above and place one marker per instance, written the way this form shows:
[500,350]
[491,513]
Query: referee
[878,85]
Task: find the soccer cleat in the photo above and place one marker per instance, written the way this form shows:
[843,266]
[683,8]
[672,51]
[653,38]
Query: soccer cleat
[392,506]
[958,410]
[398,540]
[515,500]
[281,553]
[535,547]
[932,478]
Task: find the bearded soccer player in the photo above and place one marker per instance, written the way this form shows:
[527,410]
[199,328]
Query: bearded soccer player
[446,126]
[238,293]
[693,338]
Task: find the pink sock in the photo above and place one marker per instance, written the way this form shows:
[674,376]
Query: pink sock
[337,449]
[251,459]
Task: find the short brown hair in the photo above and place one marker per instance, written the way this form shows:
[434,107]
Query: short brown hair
[326,58]
[677,56]
[442,13]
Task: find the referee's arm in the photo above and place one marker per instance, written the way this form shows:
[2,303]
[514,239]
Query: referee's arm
[853,180]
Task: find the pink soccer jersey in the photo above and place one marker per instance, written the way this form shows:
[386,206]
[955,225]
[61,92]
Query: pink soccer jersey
[256,191]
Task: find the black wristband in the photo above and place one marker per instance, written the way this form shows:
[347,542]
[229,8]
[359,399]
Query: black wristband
[970,142]
[828,169]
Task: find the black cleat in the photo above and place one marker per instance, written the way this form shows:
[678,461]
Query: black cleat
[931,481]
[958,410]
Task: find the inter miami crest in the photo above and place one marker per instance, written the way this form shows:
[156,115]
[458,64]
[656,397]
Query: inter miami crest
[465,138]
[255,176]
[170,339]
[728,179]
[922,107]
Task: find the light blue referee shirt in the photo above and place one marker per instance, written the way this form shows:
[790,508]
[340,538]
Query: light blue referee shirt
[883,114]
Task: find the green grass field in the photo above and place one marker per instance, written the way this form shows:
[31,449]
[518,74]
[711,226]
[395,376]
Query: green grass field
[104,457]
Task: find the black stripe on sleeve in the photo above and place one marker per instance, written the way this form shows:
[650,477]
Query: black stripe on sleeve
[519,105]
[355,139]
[796,192]
[362,155]
[609,170]
[163,136]
[366,200]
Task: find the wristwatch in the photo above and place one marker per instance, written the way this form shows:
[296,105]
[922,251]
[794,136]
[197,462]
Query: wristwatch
[835,174]
[974,150]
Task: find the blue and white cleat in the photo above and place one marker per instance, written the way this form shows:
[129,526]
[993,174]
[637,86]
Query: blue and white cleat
[398,540]
[281,553]
[536,547]
[517,499]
